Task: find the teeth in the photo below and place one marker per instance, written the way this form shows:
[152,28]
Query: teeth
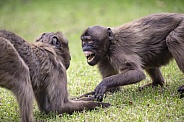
[90,58]
[88,53]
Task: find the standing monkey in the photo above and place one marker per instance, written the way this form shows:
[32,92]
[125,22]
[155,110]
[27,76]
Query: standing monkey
[123,52]
[39,70]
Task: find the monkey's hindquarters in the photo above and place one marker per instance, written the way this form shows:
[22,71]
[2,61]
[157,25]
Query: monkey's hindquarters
[15,76]
[175,43]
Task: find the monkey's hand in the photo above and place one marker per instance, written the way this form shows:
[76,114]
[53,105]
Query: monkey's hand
[100,91]
[129,77]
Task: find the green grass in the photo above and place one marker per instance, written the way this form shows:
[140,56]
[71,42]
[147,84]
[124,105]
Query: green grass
[29,18]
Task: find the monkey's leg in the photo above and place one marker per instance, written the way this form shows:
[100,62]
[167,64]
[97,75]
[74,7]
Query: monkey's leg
[14,75]
[156,76]
[23,91]
[175,43]
[71,106]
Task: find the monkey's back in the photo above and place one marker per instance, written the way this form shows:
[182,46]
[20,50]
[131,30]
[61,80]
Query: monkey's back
[24,50]
[147,37]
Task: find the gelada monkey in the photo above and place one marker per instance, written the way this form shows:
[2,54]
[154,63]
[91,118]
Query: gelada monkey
[123,53]
[39,70]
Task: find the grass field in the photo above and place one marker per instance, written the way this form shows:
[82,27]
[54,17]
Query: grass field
[29,18]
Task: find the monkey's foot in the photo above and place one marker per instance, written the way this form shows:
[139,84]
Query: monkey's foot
[181,91]
[153,85]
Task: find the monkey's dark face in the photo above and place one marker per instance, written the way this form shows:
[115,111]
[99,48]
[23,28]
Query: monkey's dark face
[59,43]
[90,51]
[95,43]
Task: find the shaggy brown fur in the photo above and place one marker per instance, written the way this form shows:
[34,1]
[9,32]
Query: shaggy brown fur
[123,52]
[38,69]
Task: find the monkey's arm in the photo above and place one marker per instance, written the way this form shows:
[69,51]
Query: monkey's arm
[129,77]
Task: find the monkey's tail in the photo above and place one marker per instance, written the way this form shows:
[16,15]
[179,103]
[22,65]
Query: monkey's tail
[72,106]
[175,43]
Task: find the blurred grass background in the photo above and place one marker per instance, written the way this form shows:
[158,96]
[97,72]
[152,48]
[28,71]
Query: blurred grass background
[30,18]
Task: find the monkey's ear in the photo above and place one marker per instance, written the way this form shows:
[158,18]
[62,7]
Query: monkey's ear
[110,34]
[56,42]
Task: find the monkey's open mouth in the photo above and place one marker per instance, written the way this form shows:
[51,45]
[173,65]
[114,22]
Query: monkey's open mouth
[89,55]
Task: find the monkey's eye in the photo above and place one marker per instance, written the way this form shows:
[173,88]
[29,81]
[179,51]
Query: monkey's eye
[90,42]
[55,42]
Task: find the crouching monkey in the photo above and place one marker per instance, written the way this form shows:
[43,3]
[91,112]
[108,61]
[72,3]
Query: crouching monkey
[39,70]
[122,53]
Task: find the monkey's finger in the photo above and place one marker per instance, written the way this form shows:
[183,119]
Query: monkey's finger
[84,95]
[100,98]
[84,99]
[87,94]
[99,93]
[181,89]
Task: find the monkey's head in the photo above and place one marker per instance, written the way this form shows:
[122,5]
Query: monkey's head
[59,43]
[95,43]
